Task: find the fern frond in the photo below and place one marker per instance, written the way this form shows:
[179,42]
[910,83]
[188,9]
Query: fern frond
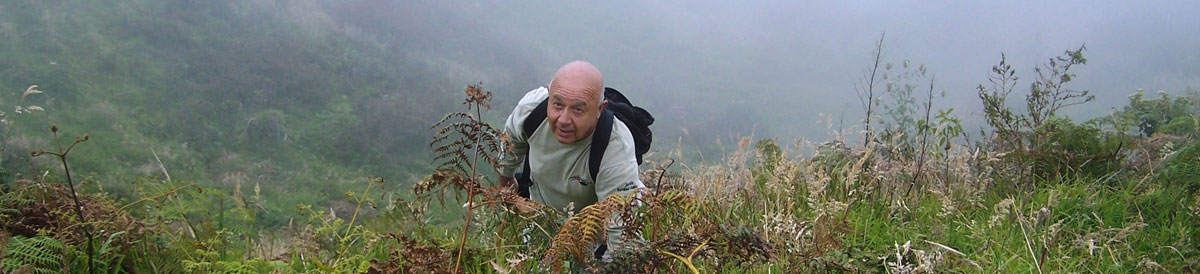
[459,141]
[582,231]
[453,115]
[439,179]
[43,253]
[16,199]
[460,130]
[463,128]
[491,160]
[458,145]
[455,159]
[487,128]
[437,139]
[463,144]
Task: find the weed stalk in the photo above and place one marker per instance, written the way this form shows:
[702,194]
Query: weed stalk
[62,157]
[924,140]
[470,191]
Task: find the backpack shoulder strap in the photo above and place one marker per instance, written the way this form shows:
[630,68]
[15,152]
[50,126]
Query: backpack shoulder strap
[531,123]
[600,138]
[534,119]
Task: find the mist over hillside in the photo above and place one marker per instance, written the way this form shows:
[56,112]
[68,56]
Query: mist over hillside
[714,69]
[311,92]
[329,136]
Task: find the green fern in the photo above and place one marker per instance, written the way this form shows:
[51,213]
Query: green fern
[43,253]
[107,256]
[225,267]
[6,214]
[12,202]
[236,268]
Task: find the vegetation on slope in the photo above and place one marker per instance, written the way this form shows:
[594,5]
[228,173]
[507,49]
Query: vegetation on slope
[1039,192]
[878,208]
[223,93]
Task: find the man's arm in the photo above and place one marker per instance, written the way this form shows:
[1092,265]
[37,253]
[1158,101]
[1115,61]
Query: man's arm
[518,145]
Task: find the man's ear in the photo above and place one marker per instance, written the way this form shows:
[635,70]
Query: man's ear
[603,104]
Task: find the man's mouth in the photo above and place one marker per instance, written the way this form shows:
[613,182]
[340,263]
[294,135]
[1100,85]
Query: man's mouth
[564,133]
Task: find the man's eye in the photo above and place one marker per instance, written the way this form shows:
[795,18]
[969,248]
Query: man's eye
[577,110]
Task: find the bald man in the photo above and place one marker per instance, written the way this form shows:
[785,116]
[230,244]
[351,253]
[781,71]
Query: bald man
[558,150]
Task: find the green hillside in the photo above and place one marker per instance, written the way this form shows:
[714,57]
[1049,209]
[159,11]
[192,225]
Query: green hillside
[224,92]
[264,136]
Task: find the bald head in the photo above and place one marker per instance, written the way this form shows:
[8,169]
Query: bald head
[576,99]
[579,76]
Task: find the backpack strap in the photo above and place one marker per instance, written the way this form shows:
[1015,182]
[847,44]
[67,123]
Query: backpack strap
[535,118]
[531,123]
[600,138]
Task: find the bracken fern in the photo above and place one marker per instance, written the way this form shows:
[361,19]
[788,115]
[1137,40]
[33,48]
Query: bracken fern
[457,147]
[43,253]
[462,136]
[581,232]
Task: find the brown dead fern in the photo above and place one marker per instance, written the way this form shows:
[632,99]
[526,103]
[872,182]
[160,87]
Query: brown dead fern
[461,140]
[508,199]
[582,231]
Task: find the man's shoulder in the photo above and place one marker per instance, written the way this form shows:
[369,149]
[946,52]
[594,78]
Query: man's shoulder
[528,103]
[620,141]
[533,98]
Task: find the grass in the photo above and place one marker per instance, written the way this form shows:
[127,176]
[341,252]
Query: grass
[762,210]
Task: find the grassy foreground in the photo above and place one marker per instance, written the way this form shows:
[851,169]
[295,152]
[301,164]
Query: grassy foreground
[764,209]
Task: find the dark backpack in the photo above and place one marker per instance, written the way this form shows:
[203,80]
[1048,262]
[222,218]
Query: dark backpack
[637,119]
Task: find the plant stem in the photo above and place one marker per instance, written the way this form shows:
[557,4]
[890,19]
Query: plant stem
[350,226]
[62,157]
[924,140]
[466,226]
[362,198]
[871,89]
[155,197]
[470,187]
[688,261]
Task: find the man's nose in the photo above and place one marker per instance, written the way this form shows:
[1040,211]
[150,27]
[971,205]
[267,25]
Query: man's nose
[563,120]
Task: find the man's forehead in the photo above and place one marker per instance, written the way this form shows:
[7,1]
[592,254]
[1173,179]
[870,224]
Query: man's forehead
[578,80]
[577,99]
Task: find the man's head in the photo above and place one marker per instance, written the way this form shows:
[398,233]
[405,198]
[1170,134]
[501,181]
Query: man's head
[576,100]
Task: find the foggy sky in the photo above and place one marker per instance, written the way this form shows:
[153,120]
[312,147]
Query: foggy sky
[789,61]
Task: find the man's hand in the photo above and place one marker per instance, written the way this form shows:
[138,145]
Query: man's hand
[508,182]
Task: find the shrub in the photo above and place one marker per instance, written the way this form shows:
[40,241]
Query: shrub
[1037,139]
[1181,126]
[1183,168]
[1159,115]
[1071,149]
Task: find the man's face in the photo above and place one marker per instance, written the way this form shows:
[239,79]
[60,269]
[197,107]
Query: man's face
[572,111]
